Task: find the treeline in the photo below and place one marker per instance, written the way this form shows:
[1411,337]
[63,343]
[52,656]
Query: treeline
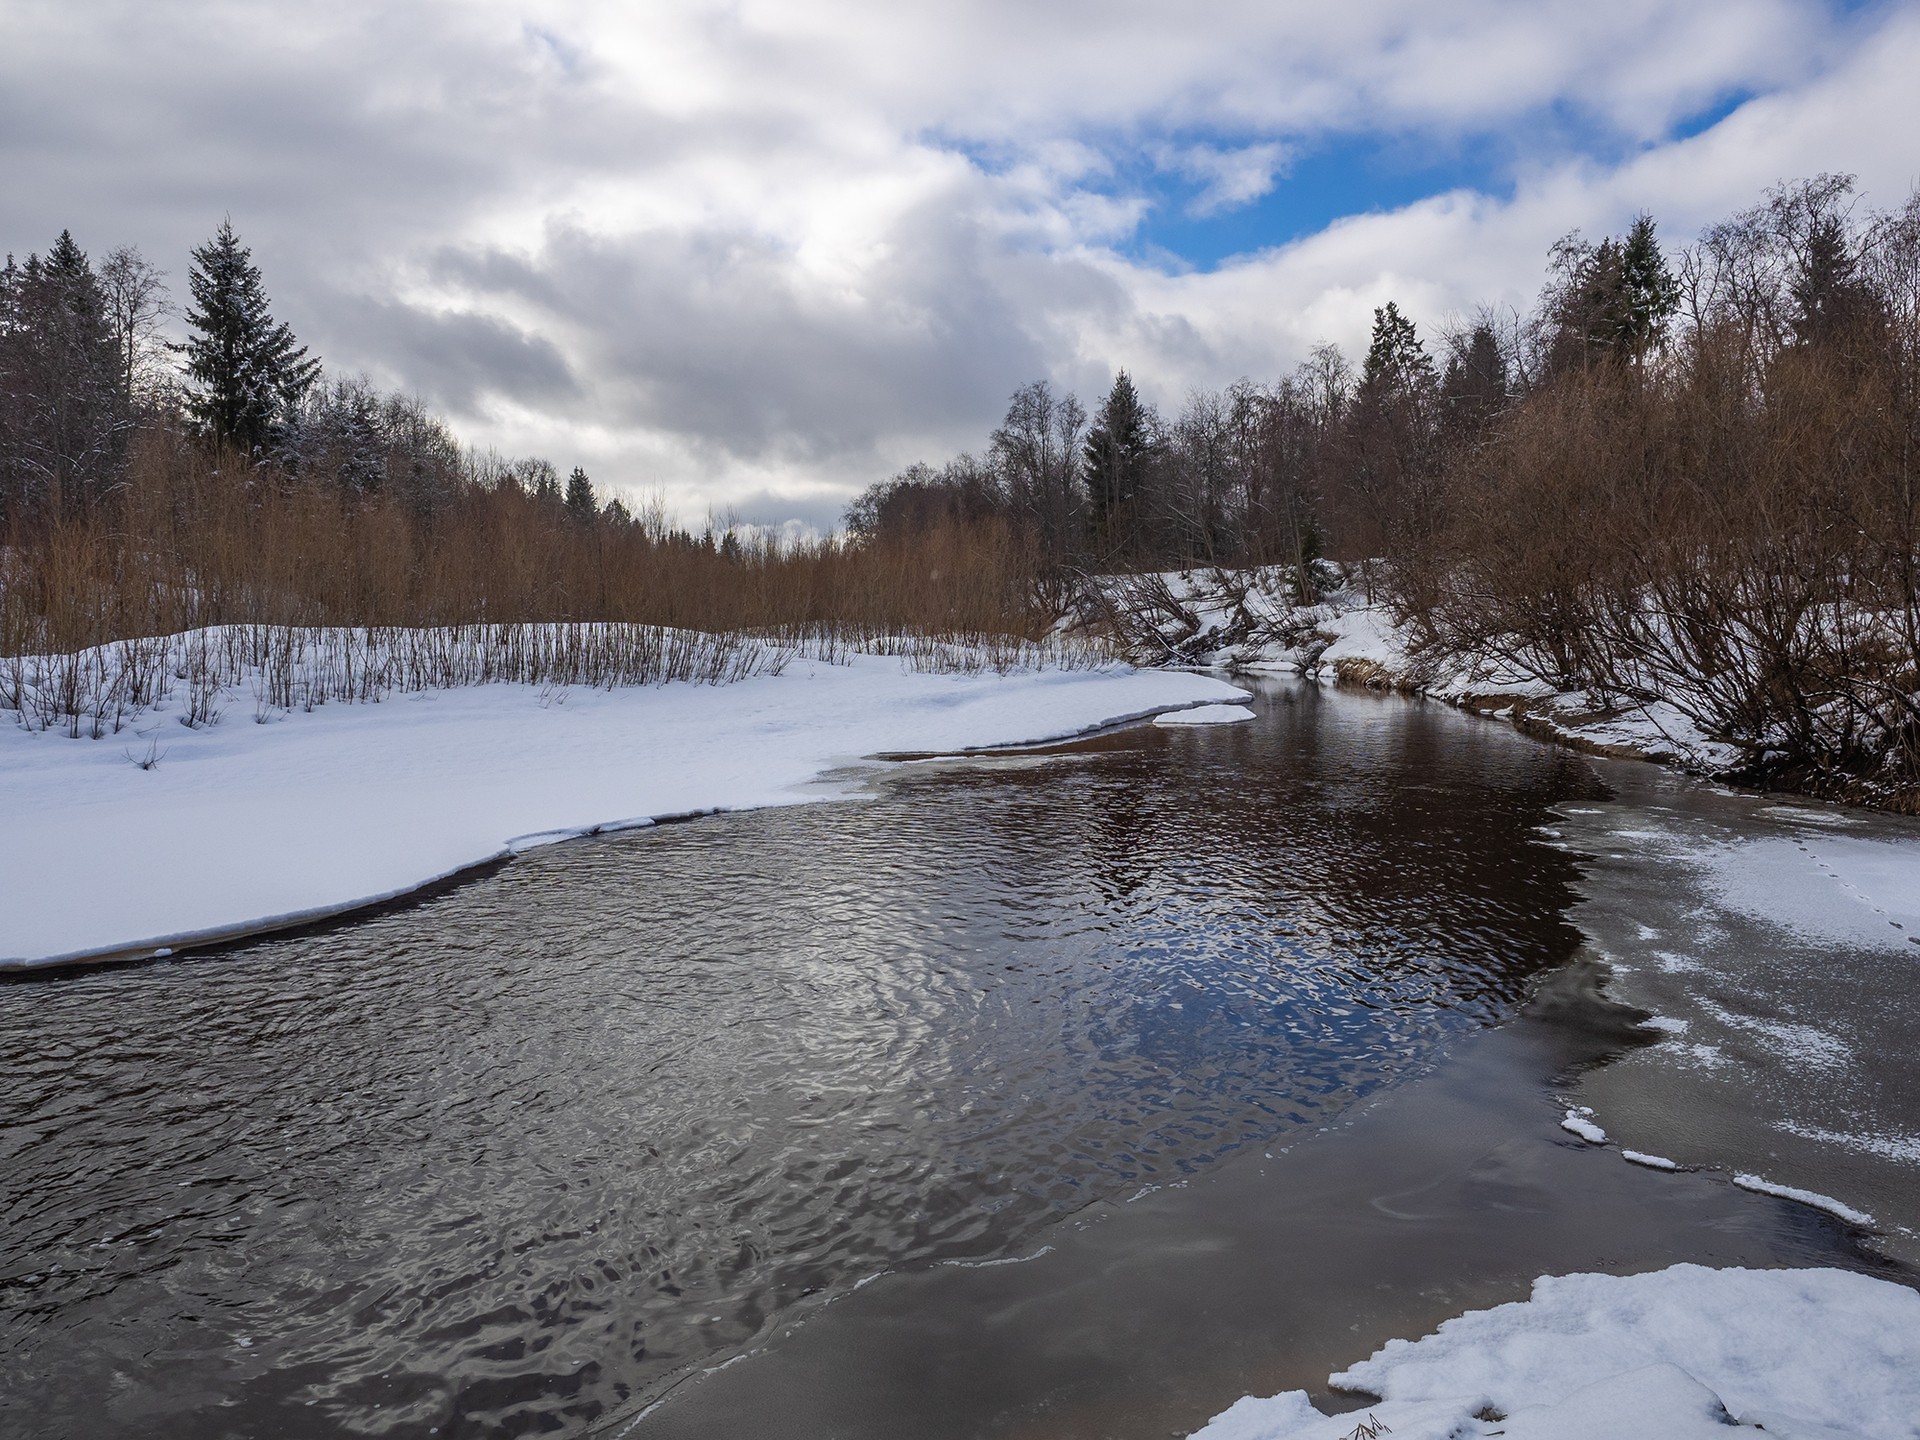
[1334,459]
[1682,479]
[147,488]
[1705,495]
[85,367]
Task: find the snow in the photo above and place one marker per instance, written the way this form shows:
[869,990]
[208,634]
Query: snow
[1680,1353]
[1808,1047]
[1205,715]
[1902,1148]
[245,825]
[1579,1121]
[1838,889]
[1652,1162]
[1364,633]
[1786,1003]
[1805,1197]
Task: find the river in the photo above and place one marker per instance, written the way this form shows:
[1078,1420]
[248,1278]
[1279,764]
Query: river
[1154,1013]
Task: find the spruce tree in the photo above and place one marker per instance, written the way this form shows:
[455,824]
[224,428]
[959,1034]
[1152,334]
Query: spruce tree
[1392,437]
[1617,298]
[1826,290]
[1397,368]
[1649,293]
[248,371]
[1600,298]
[1476,386]
[1116,453]
[581,504]
[63,422]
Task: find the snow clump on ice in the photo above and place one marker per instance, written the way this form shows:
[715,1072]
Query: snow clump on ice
[1205,715]
[1652,1162]
[1805,1197]
[1579,1121]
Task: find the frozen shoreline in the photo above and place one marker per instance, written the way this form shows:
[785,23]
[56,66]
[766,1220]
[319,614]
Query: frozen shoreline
[1837,895]
[242,826]
[1242,622]
[1774,945]
[1678,1353]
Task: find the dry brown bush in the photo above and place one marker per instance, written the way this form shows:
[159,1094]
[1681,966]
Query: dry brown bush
[1737,540]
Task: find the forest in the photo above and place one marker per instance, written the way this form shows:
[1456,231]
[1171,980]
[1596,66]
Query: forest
[1682,478]
[1685,477]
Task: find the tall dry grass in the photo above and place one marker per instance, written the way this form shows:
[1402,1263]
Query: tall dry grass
[208,576]
[101,690]
[197,538]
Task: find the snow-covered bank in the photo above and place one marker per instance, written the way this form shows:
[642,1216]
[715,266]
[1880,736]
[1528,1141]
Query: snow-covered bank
[241,825]
[1682,1352]
[1245,620]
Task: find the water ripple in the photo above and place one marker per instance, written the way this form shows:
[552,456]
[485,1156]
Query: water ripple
[500,1163]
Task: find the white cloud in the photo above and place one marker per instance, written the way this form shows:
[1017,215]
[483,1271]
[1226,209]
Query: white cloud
[1228,177]
[759,253]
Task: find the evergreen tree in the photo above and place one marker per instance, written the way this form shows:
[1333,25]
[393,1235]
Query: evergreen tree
[1827,292]
[63,420]
[1391,438]
[247,370]
[1649,293]
[1475,387]
[1397,370]
[581,505]
[66,265]
[1602,302]
[1615,298]
[1116,454]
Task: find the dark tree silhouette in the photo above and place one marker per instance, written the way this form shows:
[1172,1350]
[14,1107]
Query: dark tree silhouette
[247,370]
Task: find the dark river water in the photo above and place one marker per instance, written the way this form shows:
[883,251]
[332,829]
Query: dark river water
[507,1161]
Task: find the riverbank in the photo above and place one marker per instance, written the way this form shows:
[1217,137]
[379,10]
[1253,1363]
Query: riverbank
[166,834]
[1244,621]
[1771,946]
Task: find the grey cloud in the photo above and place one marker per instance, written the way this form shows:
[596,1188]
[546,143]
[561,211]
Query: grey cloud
[455,361]
[715,336]
[773,511]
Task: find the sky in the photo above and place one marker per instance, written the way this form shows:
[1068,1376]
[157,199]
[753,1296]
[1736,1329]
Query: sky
[751,257]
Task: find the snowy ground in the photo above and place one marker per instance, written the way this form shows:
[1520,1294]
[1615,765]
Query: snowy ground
[1680,1353]
[241,825]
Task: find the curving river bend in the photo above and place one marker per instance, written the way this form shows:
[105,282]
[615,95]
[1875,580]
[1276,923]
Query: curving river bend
[509,1160]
